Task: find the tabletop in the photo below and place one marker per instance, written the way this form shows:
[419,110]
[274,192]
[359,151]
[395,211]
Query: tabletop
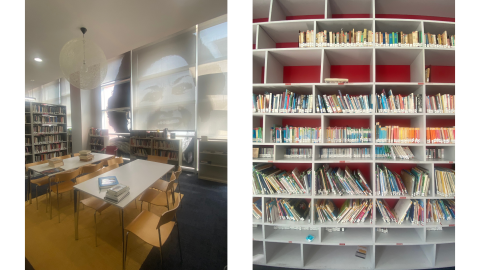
[71,163]
[138,175]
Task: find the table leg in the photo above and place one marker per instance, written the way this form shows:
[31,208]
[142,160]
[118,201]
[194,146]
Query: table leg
[50,194]
[75,211]
[29,188]
[123,245]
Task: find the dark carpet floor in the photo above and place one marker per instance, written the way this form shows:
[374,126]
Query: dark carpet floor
[202,220]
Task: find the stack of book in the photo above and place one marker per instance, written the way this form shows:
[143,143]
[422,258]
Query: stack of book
[287,209]
[289,134]
[339,182]
[398,103]
[348,135]
[440,209]
[343,38]
[404,210]
[344,103]
[396,134]
[326,153]
[116,193]
[445,181]
[439,40]
[435,153]
[393,152]
[287,102]
[85,155]
[352,211]
[399,39]
[258,135]
[440,103]
[415,182]
[55,162]
[441,135]
[267,179]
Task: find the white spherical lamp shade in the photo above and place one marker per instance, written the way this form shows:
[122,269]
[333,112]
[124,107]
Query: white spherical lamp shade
[83,63]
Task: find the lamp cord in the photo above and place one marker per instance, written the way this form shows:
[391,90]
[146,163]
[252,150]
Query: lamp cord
[83,49]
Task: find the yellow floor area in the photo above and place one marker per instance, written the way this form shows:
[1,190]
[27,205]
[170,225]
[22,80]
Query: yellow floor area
[52,245]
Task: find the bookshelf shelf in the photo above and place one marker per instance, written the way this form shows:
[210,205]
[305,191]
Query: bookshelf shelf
[279,65]
[144,143]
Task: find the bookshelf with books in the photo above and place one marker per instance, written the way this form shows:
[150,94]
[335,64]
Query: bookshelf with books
[98,139]
[213,160]
[146,142]
[417,118]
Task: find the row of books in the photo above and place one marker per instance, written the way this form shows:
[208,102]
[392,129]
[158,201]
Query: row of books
[396,134]
[344,103]
[398,104]
[169,154]
[289,134]
[140,143]
[47,130]
[48,156]
[342,38]
[338,181]
[28,150]
[405,210]
[42,119]
[441,135]
[445,181]
[96,140]
[268,179]
[326,153]
[257,205]
[296,153]
[47,139]
[28,141]
[140,152]
[438,210]
[98,132]
[265,152]
[393,152]
[440,103]
[439,40]
[351,211]
[349,135]
[48,109]
[414,182]
[287,209]
[435,153]
[165,145]
[258,135]
[50,147]
[287,102]
[399,39]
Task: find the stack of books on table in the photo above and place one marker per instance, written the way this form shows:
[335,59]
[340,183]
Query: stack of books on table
[85,155]
[116,193]
[55,162]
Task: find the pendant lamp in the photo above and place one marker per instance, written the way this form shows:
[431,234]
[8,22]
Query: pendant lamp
[83,63]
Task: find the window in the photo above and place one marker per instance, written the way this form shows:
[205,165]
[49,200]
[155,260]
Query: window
[116,107]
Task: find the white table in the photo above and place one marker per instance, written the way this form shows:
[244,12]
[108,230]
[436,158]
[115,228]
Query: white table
[139,175]
[68,164]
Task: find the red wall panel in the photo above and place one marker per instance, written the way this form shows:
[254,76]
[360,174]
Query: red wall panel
[442,74]
[354,73]
[302,122]
[392,73]
[260,20]
[305,17]
[440,122]
[286,45]
[348,16]
[301,74]
[353,123]
[414,17]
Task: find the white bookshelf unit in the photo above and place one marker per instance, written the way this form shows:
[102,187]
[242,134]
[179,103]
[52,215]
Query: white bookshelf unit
[279,65]
[144,143]
[214,155]
[46,129]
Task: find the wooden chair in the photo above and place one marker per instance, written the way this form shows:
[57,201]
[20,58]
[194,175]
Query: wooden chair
[155,197]
[154,229]
[157,159]
[76,154]
[118,160]
[90,168]
[162,185]
[39,181]
[66,156]
[63,183]
[95,203]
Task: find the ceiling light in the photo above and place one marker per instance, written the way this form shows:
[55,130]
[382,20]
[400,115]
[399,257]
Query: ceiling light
[38,59]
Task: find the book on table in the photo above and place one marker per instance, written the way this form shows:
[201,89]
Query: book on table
[117,193]
[107,182]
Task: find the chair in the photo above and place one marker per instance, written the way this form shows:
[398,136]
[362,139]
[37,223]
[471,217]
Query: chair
[118,160]
[152,196]
[63,183]
[110,150]
[66,156]
[39,181]
[162,185]
[154,229]
[157,159]
[76,154]
[90,168]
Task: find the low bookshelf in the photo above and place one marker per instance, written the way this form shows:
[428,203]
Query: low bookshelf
[213,160]
[146,142]
[98,139]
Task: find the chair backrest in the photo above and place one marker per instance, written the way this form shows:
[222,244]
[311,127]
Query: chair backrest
[34,164]
[66,176]
[93,167]
[169,215]
[76,154]
[118,160]
[96,173]
[66,156]
[111,150]
[157,159]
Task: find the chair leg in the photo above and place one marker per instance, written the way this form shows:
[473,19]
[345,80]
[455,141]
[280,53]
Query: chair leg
[47,199]
[126,245]
[58,206]
[120,215]
[141,206]
[95,221]
[36,195]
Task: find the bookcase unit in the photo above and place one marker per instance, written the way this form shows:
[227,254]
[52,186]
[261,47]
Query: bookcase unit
[144,143]
[45,131]
[279,64]
[98,139]
[213,161]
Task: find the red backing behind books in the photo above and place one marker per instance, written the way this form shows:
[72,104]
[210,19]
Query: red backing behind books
[286,45]
[414,17]
[349,16]
[393,122]
[392,73]
[301,74]
[305,17]
[260,20]
[440,122]
[442,74]
[353,123]
[302,122]
[354,73]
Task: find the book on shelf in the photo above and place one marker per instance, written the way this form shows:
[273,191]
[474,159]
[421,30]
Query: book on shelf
[440,209]
[349,135]
[428,73]
[165,145]
[289,134]
[445,181]
[338,181]
[440,135]
[47,156]
[255,152]
[50,147]
[297,153]
[344,103]
[265,152]
[396,134]
[140,142]
[107,182]
[393,152]
[351,211]
[414,182]
[257,205]
[440,103]
[327,153]
[140,152]
[286,102]
[340,38]
[399,39]
[441,40]
[258,135]
[98,132]
[405,210]
[268,179]
[28,141]
[435,153]
[165,153]
[37,108]
[45,139]
[399,104]
[47,129]
[336,80]
[287,209]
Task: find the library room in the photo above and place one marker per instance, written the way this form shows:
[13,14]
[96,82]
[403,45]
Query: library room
[125,116]
[353,134]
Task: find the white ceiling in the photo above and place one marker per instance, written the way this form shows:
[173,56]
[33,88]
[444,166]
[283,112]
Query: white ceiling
[117,26]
